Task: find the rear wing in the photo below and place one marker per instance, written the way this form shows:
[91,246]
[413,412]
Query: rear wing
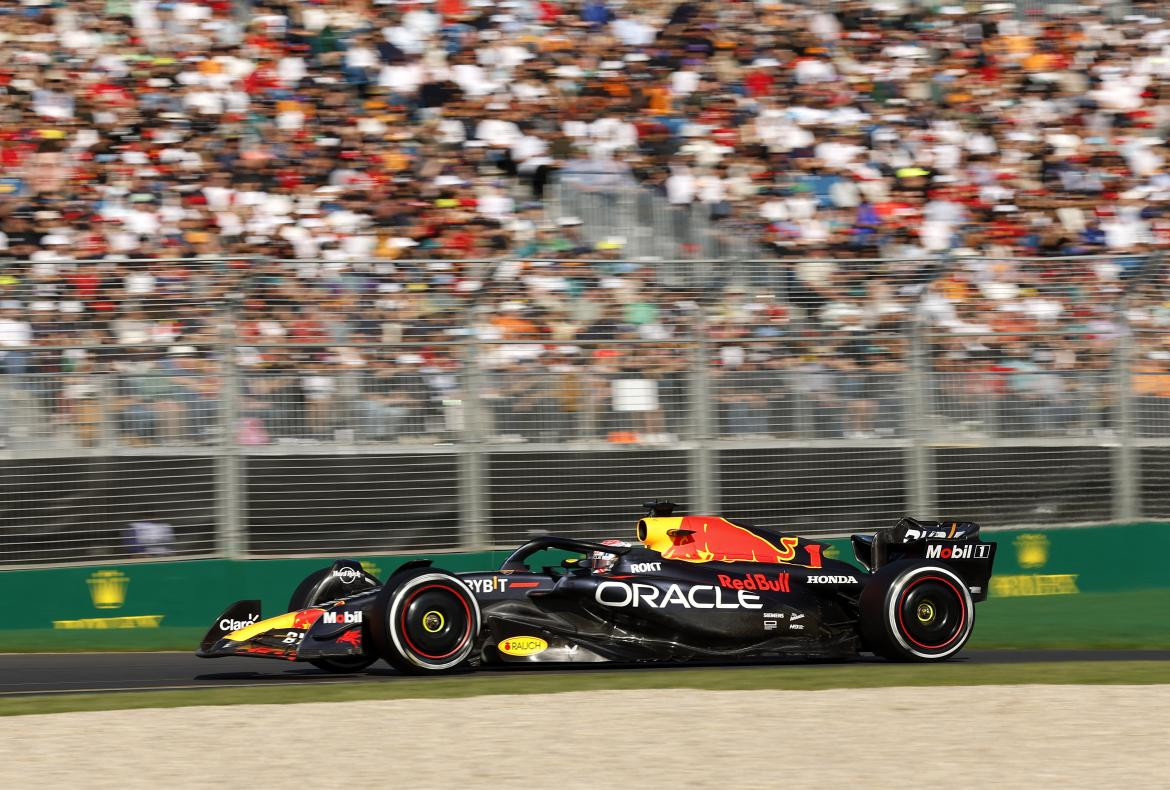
[952,543]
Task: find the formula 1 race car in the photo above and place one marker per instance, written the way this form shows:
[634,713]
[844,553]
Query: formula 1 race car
[693,588]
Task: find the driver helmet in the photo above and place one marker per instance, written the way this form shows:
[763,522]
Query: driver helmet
[603,561]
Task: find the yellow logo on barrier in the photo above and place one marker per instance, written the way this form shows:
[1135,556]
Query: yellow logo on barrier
[1031,550]
[1034,584]
[107,589]
[371,567]
[523,646]
[99,623]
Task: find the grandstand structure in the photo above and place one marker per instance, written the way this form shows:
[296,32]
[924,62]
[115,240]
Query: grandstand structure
[293,277]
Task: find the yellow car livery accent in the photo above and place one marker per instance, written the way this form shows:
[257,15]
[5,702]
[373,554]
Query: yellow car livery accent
[255,629]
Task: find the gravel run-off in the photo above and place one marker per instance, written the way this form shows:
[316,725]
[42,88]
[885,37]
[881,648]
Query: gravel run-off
[970,737]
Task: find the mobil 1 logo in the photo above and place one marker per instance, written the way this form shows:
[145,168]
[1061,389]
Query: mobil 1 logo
[969,551]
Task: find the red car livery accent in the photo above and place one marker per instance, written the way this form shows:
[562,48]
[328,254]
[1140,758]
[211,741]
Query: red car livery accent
[351,637]
[264,650]
[305,618]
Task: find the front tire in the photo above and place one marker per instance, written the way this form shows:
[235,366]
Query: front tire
[316,589]
[425,621]
[916,611]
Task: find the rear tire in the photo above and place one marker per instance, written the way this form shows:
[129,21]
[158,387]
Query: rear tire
[916,611]
[424,621]
[310,592]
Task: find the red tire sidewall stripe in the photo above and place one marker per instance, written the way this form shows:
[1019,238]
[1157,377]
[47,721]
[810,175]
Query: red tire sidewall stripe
[962,604]
[466,634]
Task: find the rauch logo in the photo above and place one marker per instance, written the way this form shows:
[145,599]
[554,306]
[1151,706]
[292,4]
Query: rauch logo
[523,646]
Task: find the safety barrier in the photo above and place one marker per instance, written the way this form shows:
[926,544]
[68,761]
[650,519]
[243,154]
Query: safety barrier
[168,604]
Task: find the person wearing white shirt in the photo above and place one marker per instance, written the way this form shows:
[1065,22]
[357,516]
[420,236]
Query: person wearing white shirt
[837,155]
[15,333]
[360,61]
[406,39]
[473,80]
[497,132]
[205,102]
[684,83]
[633,31]
[614,131]
[527,148]
[779,133]
[709,188]
[291,70]
[680,185]
[422,21]
[143,223]
[402,79]
[494,204]
[814,70]
[451,131]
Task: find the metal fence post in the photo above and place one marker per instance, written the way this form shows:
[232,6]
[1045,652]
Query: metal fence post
[704,462]
[920,492]
[231,519]
[1126,468]
[475,531]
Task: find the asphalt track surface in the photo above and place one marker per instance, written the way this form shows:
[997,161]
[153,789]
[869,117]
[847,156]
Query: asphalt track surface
[23,674]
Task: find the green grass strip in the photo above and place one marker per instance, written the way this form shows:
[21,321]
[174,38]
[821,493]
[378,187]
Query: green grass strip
[717,679]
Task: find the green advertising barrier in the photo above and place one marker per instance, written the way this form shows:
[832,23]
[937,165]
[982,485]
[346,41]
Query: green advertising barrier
[170,604]
[160,604]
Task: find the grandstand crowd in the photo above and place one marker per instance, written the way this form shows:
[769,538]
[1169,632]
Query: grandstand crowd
[366,182]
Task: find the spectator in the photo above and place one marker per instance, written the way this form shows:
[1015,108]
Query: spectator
[151,536]
[392,399]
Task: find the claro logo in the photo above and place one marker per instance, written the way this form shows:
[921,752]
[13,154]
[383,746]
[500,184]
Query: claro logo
[701,596]
[227,624]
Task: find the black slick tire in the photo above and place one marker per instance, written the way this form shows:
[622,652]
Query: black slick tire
[916,610]
[425,621]
[313,590]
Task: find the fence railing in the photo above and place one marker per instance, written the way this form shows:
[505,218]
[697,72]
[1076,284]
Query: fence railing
[254,408]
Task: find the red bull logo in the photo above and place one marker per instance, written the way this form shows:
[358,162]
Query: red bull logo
[715,539]
[305,618]
[756,581]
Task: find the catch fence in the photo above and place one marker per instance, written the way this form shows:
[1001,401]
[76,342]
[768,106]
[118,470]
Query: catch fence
[255,407]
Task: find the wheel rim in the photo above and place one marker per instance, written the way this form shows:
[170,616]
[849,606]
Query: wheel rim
[932,613]
[435,622]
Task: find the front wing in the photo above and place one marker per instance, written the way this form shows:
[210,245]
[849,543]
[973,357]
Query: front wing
[330,630]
